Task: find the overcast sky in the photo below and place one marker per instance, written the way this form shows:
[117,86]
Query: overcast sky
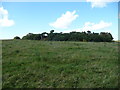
[21,18]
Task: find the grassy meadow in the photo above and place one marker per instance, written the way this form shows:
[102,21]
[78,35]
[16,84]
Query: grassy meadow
[55,64]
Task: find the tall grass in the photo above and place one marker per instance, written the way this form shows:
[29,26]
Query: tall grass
[55,64]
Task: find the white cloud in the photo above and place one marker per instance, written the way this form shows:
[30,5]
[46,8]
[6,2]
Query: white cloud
[65,20]
[100,3]
[97,26]
[4,20]
[93,26]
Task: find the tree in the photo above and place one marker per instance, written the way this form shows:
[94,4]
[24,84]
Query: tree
[51,31]
[16,37]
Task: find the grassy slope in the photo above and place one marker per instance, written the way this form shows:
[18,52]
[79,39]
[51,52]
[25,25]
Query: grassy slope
[40,64]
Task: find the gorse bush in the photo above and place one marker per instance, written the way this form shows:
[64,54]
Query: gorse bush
[72,36]
[16,37]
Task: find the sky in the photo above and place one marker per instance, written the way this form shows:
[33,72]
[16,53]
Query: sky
[21,18]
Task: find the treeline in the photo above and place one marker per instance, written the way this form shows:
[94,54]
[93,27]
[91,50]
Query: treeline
[72,36]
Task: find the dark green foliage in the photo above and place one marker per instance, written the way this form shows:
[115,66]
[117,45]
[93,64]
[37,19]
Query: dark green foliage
[16,37]
[51,31]
[72,36]
[32,36]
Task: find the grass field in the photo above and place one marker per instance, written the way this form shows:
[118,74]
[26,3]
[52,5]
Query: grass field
[47,64]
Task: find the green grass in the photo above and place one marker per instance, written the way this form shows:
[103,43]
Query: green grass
[50,64]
